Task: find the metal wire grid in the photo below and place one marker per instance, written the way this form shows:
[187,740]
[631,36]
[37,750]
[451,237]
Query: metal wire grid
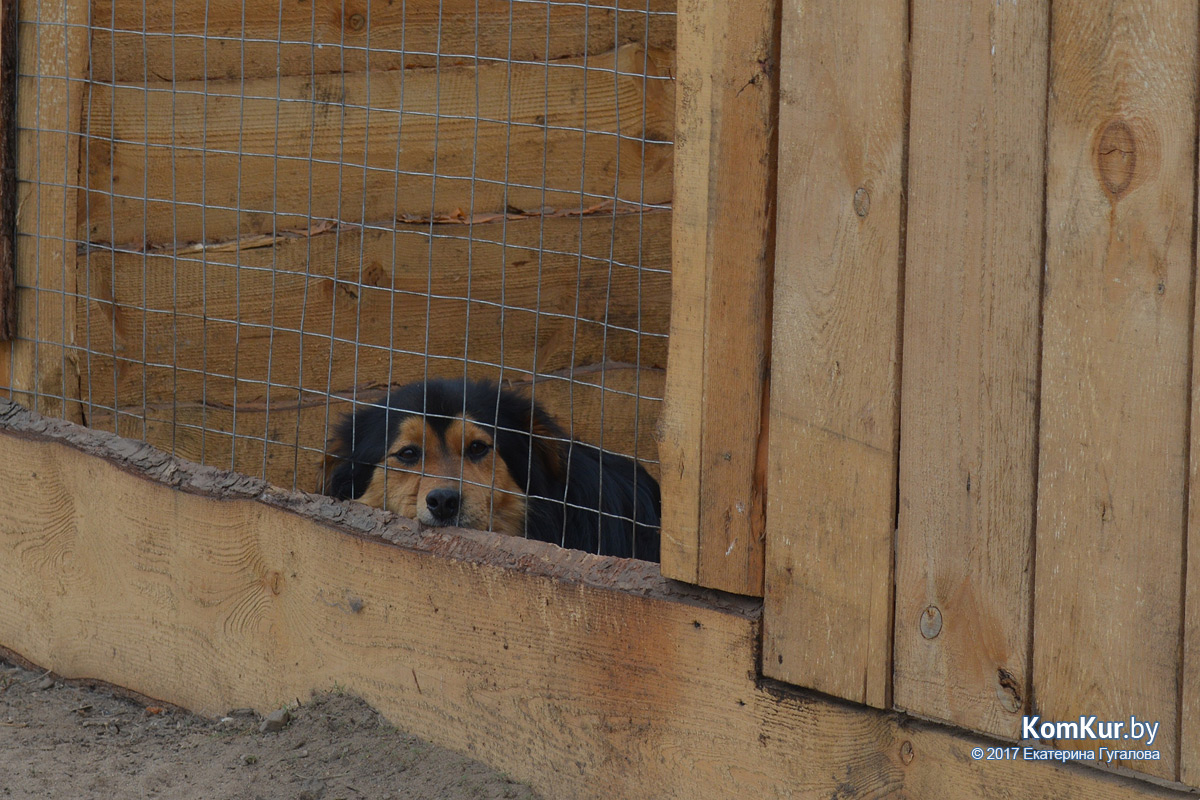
[431,231]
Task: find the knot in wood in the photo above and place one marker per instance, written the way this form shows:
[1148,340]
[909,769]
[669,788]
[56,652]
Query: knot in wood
[1116,157]
[931,622]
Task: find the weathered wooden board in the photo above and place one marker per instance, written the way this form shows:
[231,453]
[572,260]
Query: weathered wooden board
[831,511]
[587,677]
[972,292]
[1189,734]
[53,62]
[284,443]
[140,42]
[354,308]
[215,160]
[8,170]
[714,431]
[1112,480]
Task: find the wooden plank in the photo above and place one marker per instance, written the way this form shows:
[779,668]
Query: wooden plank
[284,444]
[972,292]
[52,55]
[714,432]
[1115,365]
[8,169]
[140,42]
[831,515]
[373,307]
[1189,734]
[214,160]
[643,688]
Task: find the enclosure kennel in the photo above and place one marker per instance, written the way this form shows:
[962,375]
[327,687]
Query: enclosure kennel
[897,300]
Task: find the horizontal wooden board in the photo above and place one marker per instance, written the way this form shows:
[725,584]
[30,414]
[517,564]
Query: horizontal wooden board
[285,444]
[210,161]
[138,42]
[587,677]
[365,308]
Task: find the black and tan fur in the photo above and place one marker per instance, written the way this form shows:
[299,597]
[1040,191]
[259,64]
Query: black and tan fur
[470,454]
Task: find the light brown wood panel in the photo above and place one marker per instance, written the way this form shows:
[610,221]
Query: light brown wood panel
[587,677]
[374,307]
[1115,366]
[52,61]
[972,289]
[831,511]
[216,160]
[8,170]
[1189,734]
[285,443]
[140,42]
[714,431]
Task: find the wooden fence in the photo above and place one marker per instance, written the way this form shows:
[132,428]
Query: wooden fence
[932,309]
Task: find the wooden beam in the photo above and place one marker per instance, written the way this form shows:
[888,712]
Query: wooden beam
[831,513]
[1112,477]
[714,428]
[215,160]
[53,59]
[8,169]
[972,303]
[586,677]
[142,42]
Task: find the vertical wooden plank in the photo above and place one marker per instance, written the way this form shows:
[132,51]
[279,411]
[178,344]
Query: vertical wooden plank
[53,58]
[968,415]
[832,470]
[1189,735]
[713,436]
[8,169]
[1114,413]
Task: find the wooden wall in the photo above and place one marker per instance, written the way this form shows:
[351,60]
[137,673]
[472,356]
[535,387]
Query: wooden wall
[982,458]
[272,231]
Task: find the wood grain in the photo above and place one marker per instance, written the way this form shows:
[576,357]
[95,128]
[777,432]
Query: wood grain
[337,310]
[141,42]
[8,170]
[715,430]
[972,294]
[284,443]
[639,688]
[211,161]
[831,511]
[1115,366]
[49,98]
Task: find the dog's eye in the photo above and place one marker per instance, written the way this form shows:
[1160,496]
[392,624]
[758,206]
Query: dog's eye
[408,455]
[478,449]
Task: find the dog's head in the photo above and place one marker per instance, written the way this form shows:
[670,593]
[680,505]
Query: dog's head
[462,453]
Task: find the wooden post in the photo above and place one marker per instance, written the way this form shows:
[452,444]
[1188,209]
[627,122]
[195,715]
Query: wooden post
[53,55]
[8,169]
[713,447]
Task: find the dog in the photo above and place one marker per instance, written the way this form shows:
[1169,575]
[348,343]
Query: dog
[470,454]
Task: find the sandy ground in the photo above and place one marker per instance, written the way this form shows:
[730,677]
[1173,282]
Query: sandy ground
[76,741]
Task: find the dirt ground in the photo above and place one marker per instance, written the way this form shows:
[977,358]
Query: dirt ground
[76,741]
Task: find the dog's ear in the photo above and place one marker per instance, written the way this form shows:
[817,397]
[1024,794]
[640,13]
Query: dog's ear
[547,440]
[359,442]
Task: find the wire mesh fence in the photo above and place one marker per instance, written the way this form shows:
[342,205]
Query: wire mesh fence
[241,222]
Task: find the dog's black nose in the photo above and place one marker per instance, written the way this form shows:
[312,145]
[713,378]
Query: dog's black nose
[443,504]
